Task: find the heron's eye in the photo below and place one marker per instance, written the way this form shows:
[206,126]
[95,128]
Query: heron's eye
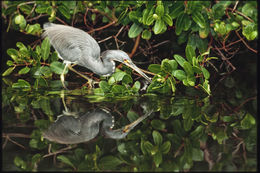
[126,61]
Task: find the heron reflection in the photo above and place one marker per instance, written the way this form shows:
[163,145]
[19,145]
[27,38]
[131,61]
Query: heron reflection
[82,127]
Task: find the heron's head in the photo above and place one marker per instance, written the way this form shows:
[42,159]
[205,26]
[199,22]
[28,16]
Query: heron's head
[121,56]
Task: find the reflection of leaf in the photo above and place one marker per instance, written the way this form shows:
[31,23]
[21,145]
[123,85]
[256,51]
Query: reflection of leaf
[109,162]
[157,138]
[65,160]
[157,158]
[197,154]
[248,121]
[158,124]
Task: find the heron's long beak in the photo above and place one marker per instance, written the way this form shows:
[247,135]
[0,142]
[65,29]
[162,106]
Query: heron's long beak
[129,127]
[138,70]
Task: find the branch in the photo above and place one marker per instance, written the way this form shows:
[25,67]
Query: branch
[253,50]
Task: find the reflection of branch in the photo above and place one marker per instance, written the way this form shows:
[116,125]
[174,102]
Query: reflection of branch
[255,51]
[247,100]
[8,135]
[59,151]
[203,146]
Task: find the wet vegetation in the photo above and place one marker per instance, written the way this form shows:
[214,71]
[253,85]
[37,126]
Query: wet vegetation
[201,105]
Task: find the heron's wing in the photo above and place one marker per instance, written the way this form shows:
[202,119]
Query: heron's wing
[71,43]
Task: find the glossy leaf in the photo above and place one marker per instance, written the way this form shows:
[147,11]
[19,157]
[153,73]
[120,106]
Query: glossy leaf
[180,74]
[158,27]
[176,9]
[159,10]
[13,53]
[64,11]
[155,68]
[24,70]
[190,53]
[104,86]
[167,19]
[179,24]
[205,72]
[136,87]
[179,59]
[150,19]
[45,49]
[146,34]
[199,19]
[186,22]
[58,67]
[8,71]
[188,68]
[197,154]
[134,30]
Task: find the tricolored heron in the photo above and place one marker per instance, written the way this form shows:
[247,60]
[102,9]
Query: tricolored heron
[82,127]
[76,46]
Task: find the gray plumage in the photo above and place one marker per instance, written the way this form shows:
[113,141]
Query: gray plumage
[76,46]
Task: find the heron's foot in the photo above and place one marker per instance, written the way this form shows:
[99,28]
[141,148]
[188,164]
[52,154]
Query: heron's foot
[91,83]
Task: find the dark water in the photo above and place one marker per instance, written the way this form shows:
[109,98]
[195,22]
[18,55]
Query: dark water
[92,133]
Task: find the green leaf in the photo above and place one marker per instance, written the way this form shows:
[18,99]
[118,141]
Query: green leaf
[179,59]
[157,158]
[150,19]
[118,89]
[119,75]
[188,68]
[187,123]
[148,146]
[248,121]
[158,124]
[132,116]
[186,22]
[179,24]
[205,73]
[197,154]
[190,53]
[177,9]
[64,11]
[134,30]
[196,134]
[24,70]
[104,86]
[58,67]
[198,18]
[158,27]
[177,128]
[167,19]
[109,162]
[13,53]
[157,138]
[166,66]
[8,71]
[45,49]
[173,64]
[41,8]
[111,80]
[146,34]
[19,19]
[65,160]
[21,84]
[136,87]
[166,146]
[180,74]
[159,10]
[155,68]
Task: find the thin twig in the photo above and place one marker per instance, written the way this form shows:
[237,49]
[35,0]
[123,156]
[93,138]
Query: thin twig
[59,151]
[101,28]
[255,51]
[137,41]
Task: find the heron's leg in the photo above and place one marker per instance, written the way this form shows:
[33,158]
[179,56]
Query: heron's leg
[62,76]
[91,82]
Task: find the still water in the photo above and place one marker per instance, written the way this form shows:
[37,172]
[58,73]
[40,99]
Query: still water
[59,130]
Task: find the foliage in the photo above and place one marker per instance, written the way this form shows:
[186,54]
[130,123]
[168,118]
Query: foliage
[195,22]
